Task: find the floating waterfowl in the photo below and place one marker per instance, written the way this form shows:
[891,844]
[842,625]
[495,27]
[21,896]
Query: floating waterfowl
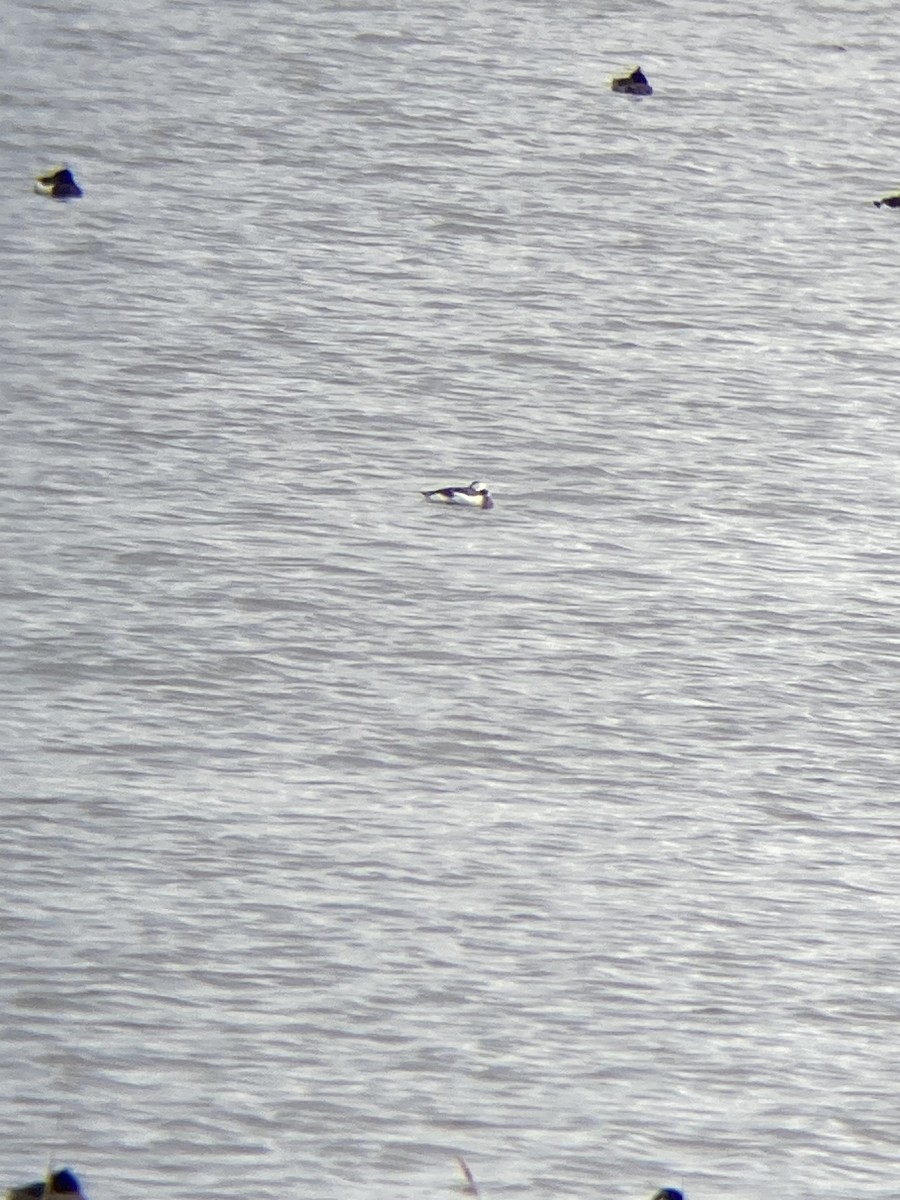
[475,495]
[58,1183]
[635,84]
[888,202]
[60,184]
[668,1194]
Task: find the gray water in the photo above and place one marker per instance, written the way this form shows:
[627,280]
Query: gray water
[345,833]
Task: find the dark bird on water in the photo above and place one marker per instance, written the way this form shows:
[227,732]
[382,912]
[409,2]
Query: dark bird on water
[60,184]
[63,1184]
[635,84]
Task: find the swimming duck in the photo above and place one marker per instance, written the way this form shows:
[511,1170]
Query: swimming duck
[60,184]
[889,201]
[635,84]
[57,1183]
[668,1194]
[475,495]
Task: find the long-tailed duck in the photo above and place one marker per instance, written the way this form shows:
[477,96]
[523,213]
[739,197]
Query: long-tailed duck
[888,202]
[635,84]
[475,495]
[60,184]
[62,1183]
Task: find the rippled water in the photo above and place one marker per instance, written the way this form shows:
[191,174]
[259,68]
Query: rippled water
[346,833]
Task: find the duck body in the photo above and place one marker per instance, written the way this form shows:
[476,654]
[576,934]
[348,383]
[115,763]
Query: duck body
[635,84]
[888,202]
[475,495]
[62,1183]
[59,184]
